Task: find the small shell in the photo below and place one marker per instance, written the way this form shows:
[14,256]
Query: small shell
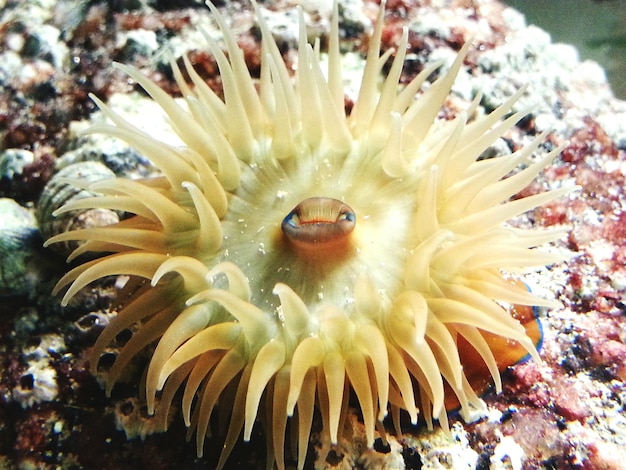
[19,239]
[59,191]
[13,162]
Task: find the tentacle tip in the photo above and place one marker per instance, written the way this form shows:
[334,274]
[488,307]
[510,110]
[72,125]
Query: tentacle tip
[120,66]
[247,431]
[193,301]
[187,184]
[438,407]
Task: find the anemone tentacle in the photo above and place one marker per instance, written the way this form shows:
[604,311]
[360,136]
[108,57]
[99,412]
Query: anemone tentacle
[275,322]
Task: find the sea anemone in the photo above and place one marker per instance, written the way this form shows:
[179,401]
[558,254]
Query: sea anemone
[296,254]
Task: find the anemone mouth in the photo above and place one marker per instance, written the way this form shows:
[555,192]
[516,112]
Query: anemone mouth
[319,224]
[269,250]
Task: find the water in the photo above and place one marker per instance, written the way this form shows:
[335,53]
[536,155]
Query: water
[596,27]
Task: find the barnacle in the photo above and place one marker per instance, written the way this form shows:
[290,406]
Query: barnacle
[400,298]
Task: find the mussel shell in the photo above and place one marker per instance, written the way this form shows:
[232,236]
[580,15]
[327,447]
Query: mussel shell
[59,191]
[19,241]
